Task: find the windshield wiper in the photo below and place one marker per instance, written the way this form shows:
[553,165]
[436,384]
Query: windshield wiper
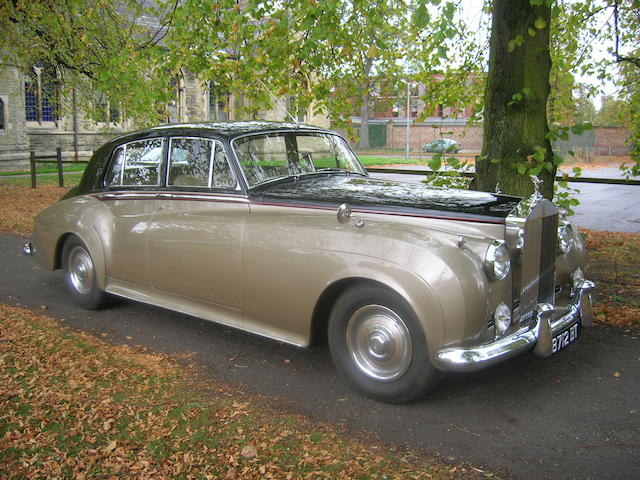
[337,170]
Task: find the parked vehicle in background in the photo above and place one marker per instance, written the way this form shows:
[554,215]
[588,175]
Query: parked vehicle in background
[277,229]
[442,145]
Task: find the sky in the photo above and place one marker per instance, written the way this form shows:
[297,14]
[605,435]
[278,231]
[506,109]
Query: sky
[473,15]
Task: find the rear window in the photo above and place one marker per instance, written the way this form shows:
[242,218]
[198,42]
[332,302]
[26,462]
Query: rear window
[136,164]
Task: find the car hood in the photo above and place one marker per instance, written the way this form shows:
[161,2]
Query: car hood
[376,195]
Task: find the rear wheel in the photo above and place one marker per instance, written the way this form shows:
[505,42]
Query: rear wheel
[80,274]
[377,342]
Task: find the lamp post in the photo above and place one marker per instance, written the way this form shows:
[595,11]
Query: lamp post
[406,154]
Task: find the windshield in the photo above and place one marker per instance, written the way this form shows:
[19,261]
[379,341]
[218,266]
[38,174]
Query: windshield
[282,154]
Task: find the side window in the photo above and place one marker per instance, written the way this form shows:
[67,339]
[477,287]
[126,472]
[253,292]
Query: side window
[189,162]
[114,177]
[222,176]
[3,115]
[142,162]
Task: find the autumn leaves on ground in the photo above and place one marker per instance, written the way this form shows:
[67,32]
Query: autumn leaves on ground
[73,406]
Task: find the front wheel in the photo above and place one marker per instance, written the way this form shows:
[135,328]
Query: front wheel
[378,344]
[80,274]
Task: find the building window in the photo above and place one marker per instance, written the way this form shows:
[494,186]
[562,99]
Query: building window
[177,108]
[105,111]
[41,95]
[114,115]
[218,103]
[3,115]
[295,110]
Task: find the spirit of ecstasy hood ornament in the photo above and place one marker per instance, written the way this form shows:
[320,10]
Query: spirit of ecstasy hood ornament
[536,187]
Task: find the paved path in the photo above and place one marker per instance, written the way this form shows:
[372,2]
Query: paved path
[567,417]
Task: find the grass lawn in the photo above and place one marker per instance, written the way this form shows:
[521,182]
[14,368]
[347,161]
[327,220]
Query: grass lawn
[372,160]
[47,168]
[70,180]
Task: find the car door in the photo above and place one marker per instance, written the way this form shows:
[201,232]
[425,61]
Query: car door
[132,183]
[196,233]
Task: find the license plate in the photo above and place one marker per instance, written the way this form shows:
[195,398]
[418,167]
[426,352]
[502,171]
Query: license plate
[563,339]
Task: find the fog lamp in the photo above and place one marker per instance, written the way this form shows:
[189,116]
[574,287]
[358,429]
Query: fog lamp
[502,318]
[577,279]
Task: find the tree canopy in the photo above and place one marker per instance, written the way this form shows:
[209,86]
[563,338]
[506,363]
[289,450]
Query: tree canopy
[328,55]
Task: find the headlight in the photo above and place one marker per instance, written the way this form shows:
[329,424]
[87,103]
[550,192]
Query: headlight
[565,237]
[497,262]
[502,318]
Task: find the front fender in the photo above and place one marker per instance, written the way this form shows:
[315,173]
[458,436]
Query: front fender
[72,216]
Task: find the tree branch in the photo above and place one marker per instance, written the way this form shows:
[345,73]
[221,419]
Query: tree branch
[621,58]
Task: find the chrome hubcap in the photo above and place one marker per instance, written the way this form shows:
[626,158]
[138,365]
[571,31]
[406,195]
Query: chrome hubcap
[81,272]
[379,342]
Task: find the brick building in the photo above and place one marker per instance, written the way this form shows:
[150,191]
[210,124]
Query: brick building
[388,128]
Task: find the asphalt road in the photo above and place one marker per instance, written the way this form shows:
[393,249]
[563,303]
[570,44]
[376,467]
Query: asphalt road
[574,415]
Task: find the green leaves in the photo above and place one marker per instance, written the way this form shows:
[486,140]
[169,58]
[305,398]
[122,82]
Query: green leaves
[516,42]
[421,16]
[435,162]
[540,23]
[580,128]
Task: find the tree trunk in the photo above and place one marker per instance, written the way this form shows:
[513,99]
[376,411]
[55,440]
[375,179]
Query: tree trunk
[515,114]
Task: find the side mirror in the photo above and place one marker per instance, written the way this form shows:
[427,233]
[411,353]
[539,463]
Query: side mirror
[344,215]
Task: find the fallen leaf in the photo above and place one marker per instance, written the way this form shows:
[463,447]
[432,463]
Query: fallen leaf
[617,374]
[249,451]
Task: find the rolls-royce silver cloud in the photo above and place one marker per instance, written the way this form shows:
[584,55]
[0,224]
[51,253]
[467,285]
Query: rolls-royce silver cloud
[277,229]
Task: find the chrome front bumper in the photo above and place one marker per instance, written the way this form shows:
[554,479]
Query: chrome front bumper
[539,337]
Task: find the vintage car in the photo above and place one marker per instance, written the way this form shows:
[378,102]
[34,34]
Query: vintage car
[277,229]
[442,145]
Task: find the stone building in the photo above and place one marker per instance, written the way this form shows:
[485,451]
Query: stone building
[38,113]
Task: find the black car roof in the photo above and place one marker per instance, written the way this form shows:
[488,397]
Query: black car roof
[228,130]
[222,130]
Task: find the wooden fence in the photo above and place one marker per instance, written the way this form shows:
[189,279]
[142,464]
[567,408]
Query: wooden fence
[35,159]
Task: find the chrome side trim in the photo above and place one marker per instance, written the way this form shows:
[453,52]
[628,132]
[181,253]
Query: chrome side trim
[203,197]
[538,337]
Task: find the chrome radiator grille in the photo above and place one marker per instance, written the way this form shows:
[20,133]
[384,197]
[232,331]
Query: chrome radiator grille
[536,282]
[546,287]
